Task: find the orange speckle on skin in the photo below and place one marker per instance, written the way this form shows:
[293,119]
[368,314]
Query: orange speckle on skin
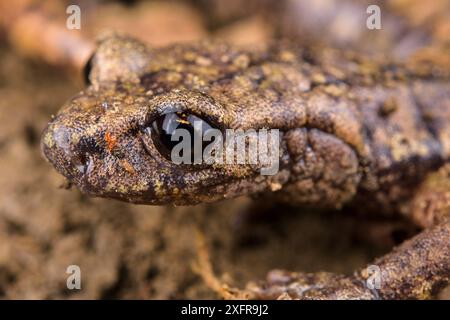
[111,141]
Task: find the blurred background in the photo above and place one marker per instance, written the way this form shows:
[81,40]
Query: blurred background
[131,251]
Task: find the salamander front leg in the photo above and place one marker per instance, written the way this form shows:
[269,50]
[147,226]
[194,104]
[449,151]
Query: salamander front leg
[417,269]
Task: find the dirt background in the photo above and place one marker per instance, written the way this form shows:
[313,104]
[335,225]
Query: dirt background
[130,251]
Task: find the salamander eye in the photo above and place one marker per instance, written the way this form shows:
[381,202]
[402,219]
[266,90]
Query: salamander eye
[171,129]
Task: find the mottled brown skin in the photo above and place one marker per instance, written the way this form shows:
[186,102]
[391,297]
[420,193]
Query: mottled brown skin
[353,131]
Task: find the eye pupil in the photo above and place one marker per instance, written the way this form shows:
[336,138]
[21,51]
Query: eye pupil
[167,125]
[164,127]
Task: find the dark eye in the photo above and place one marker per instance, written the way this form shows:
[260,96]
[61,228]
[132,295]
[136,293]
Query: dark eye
[87,70]
[165,133]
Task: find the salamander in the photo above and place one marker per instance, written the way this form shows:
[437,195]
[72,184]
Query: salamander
[351,131]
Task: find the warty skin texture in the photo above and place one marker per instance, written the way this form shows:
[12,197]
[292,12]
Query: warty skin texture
[353,130]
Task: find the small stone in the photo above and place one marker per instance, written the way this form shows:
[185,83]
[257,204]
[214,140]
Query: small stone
[318,78]
[334,90]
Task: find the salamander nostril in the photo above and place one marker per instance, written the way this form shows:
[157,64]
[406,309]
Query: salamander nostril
[89,145]
[68,152]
